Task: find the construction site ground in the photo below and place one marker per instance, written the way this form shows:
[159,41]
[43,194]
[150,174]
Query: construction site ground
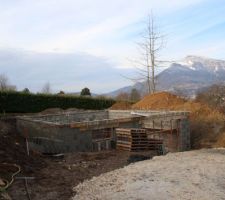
[59,176]
[52,178]
[186,175]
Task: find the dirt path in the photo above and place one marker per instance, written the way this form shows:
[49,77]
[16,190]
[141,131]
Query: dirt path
[189,175]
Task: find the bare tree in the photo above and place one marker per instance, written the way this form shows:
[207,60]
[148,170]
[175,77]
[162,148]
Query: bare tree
[135,95]
[3,82]
[122,96]
[214,96]
[46,88]
[151,44]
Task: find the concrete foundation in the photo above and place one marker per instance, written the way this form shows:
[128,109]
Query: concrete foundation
[95,130]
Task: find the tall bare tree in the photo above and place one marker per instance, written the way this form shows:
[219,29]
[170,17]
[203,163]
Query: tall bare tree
[3,82]
[46,88]
[122,96]
[150,46]
[135,95]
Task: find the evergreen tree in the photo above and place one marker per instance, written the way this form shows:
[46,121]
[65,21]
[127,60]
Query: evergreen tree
[85,92]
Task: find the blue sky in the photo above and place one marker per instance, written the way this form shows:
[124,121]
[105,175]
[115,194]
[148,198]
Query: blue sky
[77,43]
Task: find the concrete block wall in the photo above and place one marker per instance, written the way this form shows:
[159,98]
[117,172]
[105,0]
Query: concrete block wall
[184,135]
[176,140]
[71,117]
[54,138]
[160,123]
[53,133]
[115,114]
[170,139]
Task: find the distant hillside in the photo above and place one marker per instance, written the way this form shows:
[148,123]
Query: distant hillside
[187,76]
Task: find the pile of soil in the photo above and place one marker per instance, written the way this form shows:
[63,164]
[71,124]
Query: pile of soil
[73,110]
[52,111]
[167,101]
[121,105]
[206,123]
[160,100]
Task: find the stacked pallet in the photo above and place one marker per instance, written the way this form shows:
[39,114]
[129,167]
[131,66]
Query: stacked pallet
[131,139]
[136,140]
[154,144]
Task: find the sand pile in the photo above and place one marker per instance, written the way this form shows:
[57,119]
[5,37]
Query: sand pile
[207,124]
[121,105]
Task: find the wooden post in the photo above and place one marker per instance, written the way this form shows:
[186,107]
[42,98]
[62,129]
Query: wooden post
[26,140]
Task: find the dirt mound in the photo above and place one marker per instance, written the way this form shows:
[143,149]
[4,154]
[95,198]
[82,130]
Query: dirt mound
[52,111]
[160,100]
[121,105]
[167,101]
[73,110]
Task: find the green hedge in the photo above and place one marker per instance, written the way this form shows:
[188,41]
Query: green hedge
[18,102]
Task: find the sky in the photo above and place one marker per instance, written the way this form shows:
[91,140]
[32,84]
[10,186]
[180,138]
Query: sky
[90,43]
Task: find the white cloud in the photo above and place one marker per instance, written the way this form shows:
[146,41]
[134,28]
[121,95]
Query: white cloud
[65,71]
[69,25]
[102,28]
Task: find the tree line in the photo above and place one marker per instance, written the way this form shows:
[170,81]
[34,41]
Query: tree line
[5,86]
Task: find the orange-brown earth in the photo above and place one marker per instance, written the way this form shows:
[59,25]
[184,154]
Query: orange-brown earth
[207,124]
[121,105]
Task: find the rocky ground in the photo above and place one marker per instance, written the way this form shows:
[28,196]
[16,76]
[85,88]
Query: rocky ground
[190,175]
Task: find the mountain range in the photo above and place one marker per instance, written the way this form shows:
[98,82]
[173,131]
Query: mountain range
[186,77]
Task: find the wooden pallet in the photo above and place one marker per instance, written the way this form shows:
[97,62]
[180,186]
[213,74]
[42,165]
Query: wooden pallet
[132,139]
[136,140]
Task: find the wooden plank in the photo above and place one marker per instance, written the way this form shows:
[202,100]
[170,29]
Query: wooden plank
[122,145]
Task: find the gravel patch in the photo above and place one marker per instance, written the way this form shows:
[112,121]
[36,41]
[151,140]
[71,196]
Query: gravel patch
[191,175]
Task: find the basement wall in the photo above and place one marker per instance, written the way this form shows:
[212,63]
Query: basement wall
[73,132]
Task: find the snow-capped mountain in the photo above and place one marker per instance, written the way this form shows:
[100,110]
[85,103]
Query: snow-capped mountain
[186,76]
[196,63]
